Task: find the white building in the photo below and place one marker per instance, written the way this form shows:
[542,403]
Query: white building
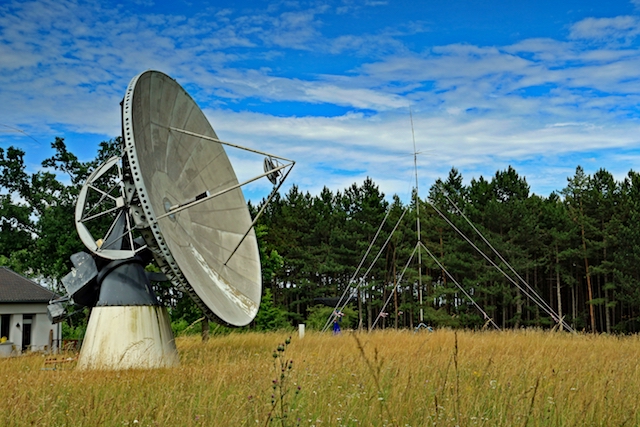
[23,314]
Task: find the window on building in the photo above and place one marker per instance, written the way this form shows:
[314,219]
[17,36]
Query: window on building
[4,325]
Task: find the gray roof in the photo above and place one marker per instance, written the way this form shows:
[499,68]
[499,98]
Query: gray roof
[15,288]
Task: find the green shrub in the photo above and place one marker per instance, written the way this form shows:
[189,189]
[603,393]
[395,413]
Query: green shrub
[270,317]
[73,332]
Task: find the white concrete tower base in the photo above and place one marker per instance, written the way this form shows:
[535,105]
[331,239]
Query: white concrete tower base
[128,337]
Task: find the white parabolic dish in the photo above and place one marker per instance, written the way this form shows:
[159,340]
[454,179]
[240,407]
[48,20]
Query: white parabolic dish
[170,168]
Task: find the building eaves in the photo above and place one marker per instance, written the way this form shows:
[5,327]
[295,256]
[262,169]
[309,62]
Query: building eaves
[15,288]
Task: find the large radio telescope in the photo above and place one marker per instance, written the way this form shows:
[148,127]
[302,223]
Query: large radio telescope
[172,197]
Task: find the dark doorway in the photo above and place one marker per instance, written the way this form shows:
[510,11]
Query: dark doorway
[4,325]
[26,331]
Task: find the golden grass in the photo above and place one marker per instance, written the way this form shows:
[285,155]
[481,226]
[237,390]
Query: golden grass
[521,378]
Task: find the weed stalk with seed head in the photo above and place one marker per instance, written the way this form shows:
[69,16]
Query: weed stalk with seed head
[282,404]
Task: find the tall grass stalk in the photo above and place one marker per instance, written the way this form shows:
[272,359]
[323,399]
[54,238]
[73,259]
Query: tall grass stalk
[375,368]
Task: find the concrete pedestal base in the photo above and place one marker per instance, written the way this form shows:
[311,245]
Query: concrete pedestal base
[128,337]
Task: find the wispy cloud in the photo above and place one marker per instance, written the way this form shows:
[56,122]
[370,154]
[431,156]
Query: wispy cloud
[620,28]
[64,66]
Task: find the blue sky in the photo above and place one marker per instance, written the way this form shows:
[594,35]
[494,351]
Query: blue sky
[543,86]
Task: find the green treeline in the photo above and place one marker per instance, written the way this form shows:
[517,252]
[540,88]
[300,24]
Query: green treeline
[578,249]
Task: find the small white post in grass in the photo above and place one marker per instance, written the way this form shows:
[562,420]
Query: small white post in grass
[301,330]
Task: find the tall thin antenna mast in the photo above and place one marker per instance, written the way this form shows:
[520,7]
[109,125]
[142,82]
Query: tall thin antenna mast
[418,248]
[415,165]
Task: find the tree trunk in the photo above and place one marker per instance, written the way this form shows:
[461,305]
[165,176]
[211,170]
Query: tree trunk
[504,311]
[369,309]
[607,314]
[443,274]
[592,316]
[607,318]
[395,290]
[205,329]
[359,309]
[559,294]
[574,306]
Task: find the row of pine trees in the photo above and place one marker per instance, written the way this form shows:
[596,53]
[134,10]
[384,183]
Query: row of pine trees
[490,246]
[578,250]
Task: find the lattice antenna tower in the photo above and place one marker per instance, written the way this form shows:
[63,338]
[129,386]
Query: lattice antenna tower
[415,166]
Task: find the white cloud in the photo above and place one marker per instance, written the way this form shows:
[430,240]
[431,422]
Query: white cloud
[358,98]
[382,147]
[606,29]
[65,65]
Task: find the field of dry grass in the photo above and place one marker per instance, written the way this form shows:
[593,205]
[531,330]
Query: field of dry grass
[524,378]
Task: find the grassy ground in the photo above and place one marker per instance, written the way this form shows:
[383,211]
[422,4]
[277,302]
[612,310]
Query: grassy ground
[524,378]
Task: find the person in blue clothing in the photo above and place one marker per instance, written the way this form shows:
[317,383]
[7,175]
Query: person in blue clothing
[336,327]
[337,317]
